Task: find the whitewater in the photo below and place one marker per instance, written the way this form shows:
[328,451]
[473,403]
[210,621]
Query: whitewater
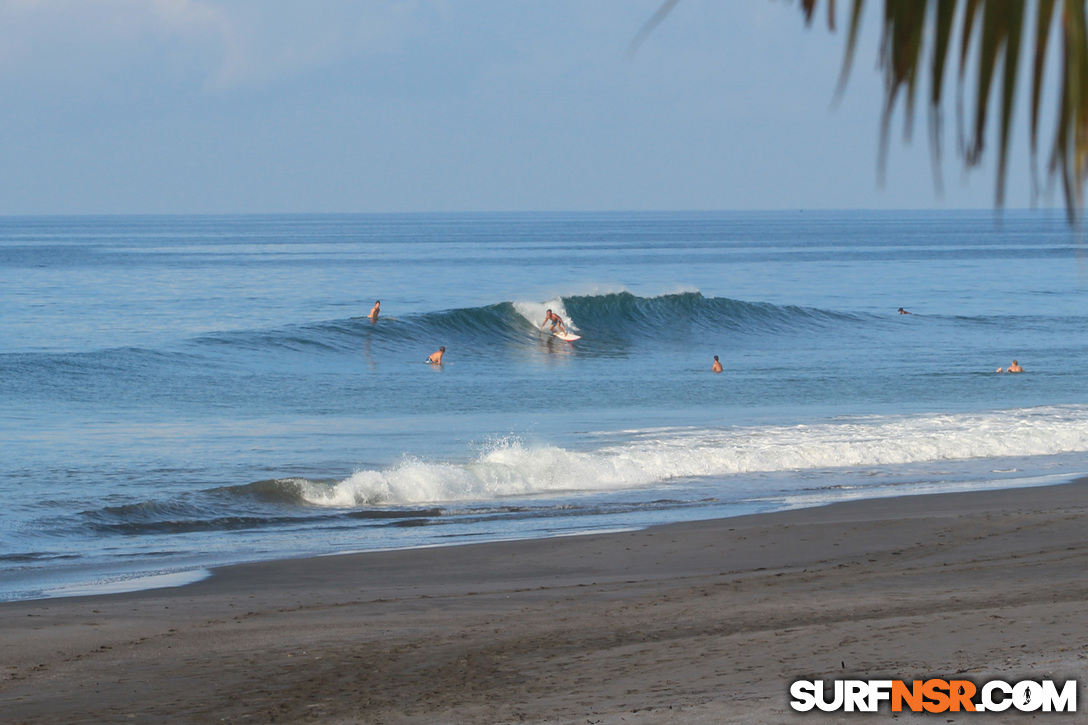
[185,392]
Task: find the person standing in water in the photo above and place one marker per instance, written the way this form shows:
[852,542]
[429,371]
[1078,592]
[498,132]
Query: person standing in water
[717,366]
[556,321]
[435,358]
[375,310]
[1013,368]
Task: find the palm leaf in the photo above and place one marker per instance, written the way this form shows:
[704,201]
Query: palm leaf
[909,25]
[1043,21]
[996,57]
[1069,158]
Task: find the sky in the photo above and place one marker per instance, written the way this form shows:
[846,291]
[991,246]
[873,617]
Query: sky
[374,106]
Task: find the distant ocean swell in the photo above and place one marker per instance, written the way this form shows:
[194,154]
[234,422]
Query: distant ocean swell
[508,469]
[601,319]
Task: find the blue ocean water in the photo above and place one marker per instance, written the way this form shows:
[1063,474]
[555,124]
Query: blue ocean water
[182,392]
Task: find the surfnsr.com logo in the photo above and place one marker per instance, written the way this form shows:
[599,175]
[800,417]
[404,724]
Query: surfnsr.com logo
[934,695]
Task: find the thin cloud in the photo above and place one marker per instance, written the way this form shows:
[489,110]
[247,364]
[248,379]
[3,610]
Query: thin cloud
[224,44]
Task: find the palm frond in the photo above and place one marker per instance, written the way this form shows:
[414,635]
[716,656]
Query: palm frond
[1043,21]
[910,25]
[991,34]
[653,22]
[1069,158]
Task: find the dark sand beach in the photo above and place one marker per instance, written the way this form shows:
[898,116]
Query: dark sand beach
[703,622]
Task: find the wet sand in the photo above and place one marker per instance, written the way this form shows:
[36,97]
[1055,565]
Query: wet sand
[705,622]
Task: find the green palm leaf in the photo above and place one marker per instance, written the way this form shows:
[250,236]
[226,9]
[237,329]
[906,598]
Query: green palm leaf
[1000,26]
[991,33]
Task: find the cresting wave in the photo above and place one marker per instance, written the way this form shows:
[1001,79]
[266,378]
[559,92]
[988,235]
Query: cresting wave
[603,319]
[511,467]
[613,316]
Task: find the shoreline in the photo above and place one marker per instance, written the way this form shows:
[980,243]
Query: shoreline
[704,621]
[159,579]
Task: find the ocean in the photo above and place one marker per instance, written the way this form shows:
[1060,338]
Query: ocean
[183,392]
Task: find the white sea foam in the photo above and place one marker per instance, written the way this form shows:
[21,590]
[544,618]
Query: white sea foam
[655,456]
[133,584]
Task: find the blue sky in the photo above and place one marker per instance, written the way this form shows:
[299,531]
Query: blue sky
[224,106]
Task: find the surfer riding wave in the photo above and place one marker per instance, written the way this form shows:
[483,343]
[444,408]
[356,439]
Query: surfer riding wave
[555,320]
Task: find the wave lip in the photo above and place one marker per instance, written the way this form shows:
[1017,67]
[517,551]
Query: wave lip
[626,315]
[624,310]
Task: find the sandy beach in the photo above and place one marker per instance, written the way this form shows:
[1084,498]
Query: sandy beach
[705,622]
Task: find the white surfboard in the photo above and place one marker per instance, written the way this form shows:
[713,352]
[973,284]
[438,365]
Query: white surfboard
[567,336]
